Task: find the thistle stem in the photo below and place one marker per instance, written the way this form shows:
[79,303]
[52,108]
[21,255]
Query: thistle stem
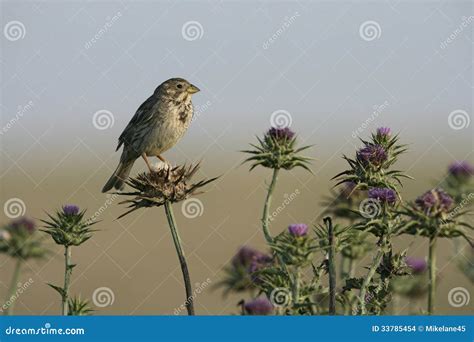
[182,260]
[432,275]
[266,208]
[13,287]
[332,266]
[368,278]
[67,279]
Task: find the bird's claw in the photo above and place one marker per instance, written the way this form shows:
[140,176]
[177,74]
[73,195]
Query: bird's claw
[162,166]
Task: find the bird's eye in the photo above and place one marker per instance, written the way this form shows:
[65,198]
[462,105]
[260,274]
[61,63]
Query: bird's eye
[179,86]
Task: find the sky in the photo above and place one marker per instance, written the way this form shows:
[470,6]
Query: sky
[325,67]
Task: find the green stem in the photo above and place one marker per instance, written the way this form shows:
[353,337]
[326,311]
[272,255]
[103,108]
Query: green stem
[67,279]
[182,260]
[432,275]
[266,208]
[363,290]
[332,266]
[13,288]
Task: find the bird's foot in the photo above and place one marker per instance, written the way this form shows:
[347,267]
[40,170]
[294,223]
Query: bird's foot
[162,166]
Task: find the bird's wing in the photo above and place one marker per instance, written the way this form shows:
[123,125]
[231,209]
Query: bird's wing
[143,115]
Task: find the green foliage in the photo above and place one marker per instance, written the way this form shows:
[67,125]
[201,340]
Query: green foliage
[375,174]
[19,241]
[68,230]
[277,154]
[79,307]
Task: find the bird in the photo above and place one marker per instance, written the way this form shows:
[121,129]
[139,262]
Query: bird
[158,124]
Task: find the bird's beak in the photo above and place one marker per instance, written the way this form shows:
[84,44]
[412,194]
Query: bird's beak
[192,89]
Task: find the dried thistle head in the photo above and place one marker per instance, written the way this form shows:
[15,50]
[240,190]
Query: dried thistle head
[164,185]
[277,150]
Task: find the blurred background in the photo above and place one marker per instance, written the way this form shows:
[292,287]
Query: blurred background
[73,75]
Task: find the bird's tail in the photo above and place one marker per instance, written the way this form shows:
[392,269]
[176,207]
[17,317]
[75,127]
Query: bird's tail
[119,176]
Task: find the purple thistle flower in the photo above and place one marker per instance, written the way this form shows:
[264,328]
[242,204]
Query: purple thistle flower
[434,200]
[417,265]
[281,134]
[245,255]
[384,195]
[298,229]
[461,168]
[24,223]
[259,306]
[372,154]
[257,264]
[70,209]
[384,131]
[348,188]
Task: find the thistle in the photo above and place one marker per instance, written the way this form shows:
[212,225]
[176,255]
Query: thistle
[20,240]
[259,306]
[238,273]
[68,228]
[372,163]
[371,170]
[343,205]
[432,216]
[284,279]
[415,285]
[276,150]
[458,181]
[79,307]
[162,188]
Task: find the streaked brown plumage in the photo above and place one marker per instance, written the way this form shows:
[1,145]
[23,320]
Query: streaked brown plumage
[157,126]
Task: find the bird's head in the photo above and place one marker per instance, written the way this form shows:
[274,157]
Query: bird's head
[177,88]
